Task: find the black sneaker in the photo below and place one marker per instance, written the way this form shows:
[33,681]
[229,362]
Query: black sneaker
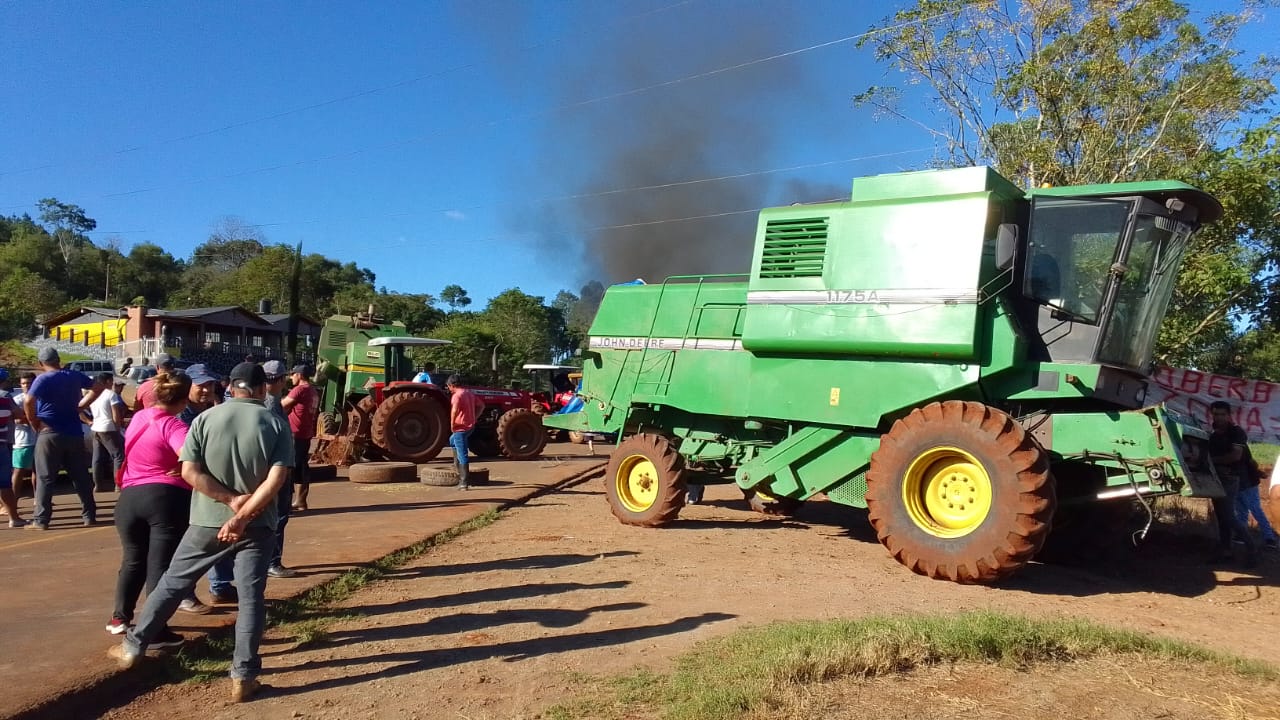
[167,639]
[280,571]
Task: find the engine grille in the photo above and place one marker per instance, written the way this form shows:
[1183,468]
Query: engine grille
[794,248]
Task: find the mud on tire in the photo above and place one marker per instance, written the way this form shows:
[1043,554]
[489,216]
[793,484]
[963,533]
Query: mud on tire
[936,456]
[645,482]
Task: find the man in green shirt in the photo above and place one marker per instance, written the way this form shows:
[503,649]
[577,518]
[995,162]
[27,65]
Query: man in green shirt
[237,456]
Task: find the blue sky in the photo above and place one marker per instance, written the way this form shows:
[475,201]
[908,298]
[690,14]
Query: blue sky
[480,143]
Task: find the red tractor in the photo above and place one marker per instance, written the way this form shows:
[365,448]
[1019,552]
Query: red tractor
[510,425]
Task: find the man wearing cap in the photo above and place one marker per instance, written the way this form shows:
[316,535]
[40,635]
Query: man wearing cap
[237,457]
[53,406]
[276,377]
[303,405]
[145,396]
[204,395]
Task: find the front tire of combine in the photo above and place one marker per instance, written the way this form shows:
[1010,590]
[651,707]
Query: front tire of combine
[645,481]
[959,491]
[410,426]
[521,435]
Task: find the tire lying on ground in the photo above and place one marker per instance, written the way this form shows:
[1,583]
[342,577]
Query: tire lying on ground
[447,477]
[383,472]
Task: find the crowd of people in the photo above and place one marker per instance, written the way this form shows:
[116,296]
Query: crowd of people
[207,479]
[209,471]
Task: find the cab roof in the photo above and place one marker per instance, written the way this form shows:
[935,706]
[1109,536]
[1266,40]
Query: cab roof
[1208,207]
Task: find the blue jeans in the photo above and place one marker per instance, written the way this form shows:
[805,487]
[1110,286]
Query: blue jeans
[458,441]
[199,550]
[220,577]
[1248,502]
[284,505]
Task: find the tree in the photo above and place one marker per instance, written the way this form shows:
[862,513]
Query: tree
[148,273]
[1073,92]
[455,297]
[69,223]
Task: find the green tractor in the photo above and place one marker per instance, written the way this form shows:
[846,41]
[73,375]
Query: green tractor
[369,406]
[967,361]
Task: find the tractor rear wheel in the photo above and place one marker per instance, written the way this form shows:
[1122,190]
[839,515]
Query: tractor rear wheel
[959,491]
[410,426]
[483,443]
[521,435]
[645,483]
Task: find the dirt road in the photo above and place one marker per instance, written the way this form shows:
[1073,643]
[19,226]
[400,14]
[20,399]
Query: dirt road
[497,623]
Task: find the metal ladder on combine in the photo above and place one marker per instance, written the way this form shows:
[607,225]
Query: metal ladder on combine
[663,383]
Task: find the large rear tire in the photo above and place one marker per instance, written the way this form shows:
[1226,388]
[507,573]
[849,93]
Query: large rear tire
[521,435]
[959,491]
[645,482]
[484,444]
[410,426]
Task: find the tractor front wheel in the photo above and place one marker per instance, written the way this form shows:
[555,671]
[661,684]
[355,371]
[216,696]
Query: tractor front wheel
[521,435]
[959,491]
[410,426]
[645,483]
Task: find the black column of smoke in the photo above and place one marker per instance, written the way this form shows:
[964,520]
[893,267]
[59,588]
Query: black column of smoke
[723,124]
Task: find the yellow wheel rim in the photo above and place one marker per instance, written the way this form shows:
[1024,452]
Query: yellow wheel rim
[637,483]
[947,492]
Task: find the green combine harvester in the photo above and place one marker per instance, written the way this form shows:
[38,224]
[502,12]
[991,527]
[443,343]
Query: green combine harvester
[963,359]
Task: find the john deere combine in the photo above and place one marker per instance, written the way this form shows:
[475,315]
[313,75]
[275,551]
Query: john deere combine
[959,357]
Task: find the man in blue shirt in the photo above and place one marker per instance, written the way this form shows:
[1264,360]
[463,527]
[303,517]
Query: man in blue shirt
[53,407]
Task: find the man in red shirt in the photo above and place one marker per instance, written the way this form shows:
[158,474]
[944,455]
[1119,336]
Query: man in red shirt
[145,395]
[302,405]
[464,410]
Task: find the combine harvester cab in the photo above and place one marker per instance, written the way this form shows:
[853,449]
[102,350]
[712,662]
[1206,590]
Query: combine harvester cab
[963,359]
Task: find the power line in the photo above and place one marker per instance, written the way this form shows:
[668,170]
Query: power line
[323,103]
[583,196]
[525,116]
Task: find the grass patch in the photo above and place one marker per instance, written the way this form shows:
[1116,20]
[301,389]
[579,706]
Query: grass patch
[13,355]
[753,669]
[1265,453]
[308,617]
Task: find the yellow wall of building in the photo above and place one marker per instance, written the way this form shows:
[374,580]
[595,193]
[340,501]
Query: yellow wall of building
[111,330]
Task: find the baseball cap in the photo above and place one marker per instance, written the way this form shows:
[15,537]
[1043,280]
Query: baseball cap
[273,369]
[247,376]
[304,368]
[200,375]
[48,355]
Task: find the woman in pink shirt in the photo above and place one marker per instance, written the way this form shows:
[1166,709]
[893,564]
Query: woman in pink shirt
[155,502]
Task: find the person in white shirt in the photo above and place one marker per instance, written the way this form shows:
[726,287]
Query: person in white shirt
[107,411]
[24,443]
[1274,493]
